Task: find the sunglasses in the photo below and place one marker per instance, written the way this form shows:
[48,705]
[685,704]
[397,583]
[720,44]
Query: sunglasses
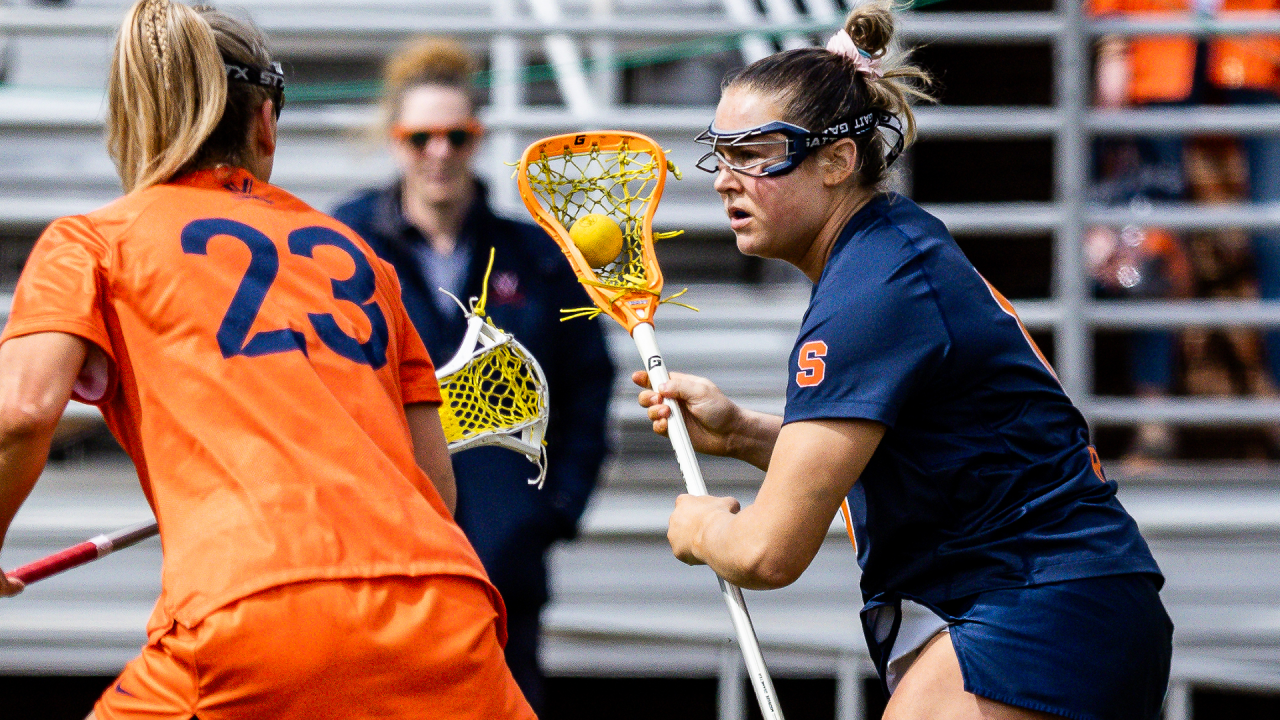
[459,136]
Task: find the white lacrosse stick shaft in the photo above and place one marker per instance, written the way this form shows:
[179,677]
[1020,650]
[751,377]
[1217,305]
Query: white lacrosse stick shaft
[647,344]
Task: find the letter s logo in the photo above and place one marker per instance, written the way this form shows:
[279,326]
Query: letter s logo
[1097,463]
[812,367]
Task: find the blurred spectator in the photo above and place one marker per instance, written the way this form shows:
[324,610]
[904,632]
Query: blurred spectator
[434,224]
[1180,71]
[1223,361]
[1139,262]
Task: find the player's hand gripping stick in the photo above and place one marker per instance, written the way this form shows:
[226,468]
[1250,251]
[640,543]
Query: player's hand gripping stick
[587,190]
[647,343]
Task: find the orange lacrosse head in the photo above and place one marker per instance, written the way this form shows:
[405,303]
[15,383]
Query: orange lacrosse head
[613,173]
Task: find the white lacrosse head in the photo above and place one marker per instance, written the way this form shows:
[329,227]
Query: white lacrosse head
[495,393]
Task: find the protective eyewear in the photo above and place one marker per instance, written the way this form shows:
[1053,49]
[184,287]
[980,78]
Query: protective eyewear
[459,136]
[776,148]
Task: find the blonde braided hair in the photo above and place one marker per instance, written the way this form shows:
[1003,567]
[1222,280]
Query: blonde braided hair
[155,22]
[169,107]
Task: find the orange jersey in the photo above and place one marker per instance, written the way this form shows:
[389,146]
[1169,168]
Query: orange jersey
[1162,68]
[260,362]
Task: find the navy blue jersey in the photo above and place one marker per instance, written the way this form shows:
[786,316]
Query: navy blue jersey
[985,478]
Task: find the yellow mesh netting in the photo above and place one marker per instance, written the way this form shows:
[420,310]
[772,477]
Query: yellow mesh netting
[493,392]
[493,389]
[619,183]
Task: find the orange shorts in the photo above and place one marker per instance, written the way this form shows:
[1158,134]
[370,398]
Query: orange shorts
[392,647]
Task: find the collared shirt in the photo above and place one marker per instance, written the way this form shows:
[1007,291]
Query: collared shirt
[438,271]
[445,271]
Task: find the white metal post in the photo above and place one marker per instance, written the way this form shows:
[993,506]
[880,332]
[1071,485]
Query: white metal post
[784,12]
[1177,701]
[566,62]
[604,60]
[850,704]
[731,697]
[743,12]
[506,96]
[1072,337]
[824,11]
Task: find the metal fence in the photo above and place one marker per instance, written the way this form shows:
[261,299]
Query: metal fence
[584,57]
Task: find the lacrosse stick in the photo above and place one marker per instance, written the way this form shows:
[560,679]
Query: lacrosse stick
[494,393]
[621,175]
[494,390]
[95,547]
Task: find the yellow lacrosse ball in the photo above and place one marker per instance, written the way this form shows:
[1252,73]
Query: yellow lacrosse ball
[598,237]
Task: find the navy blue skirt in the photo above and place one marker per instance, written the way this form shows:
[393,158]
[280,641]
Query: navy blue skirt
[1091,649]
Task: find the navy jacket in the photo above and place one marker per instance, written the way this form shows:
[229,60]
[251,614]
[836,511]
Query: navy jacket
[509,522]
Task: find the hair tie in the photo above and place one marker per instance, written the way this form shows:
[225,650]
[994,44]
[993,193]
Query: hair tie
[842,44]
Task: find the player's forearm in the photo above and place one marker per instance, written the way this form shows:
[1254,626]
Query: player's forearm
[769,543]
[37,373]
[22,459]
[447,486]
[24,447]
[431,451]
[747,552]
[754,436]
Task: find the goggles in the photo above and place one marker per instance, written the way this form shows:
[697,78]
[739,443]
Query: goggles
[755,154]
[459,136]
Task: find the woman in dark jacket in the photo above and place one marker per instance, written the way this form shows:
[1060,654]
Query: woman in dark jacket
[434,224]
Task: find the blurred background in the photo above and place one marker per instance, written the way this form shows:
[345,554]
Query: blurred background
[1120,199]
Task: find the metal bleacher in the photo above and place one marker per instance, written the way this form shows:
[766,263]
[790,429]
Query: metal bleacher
[622,605]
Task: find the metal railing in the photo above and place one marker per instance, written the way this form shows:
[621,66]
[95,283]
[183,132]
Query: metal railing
[583,57]
[583,53]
